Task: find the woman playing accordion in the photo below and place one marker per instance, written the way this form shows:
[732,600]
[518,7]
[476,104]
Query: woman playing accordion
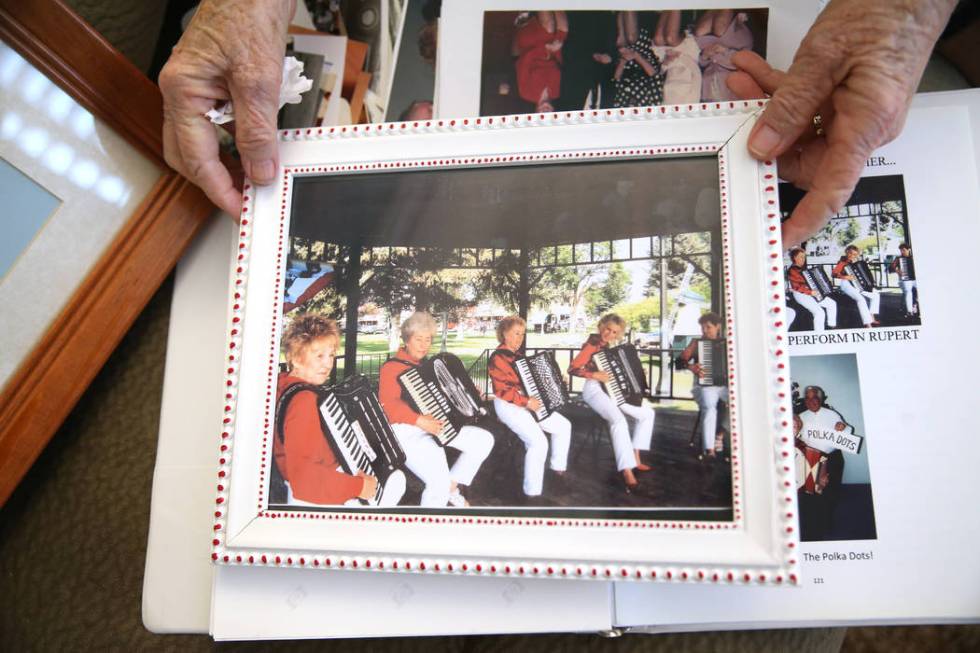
[706,391]
[514,408]
[626,446]
[861,289]
[301,450]
[414,431]
[805,296]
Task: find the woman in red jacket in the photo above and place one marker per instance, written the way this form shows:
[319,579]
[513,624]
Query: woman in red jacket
[626,446]
[415,431]
[301,450]
[515,409]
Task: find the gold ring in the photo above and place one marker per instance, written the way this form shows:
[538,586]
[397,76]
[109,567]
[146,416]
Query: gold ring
[818,124]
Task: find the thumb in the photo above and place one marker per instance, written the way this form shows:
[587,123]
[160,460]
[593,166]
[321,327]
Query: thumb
[255,94]
[790,111]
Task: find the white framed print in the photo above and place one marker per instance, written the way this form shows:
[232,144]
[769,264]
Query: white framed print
[545,345]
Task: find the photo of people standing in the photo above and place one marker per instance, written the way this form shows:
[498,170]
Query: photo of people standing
[858,272]
[542,61]
[483,361]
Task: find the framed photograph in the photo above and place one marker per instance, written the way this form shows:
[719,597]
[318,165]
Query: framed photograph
[548,345]
[98,220]
[509,56]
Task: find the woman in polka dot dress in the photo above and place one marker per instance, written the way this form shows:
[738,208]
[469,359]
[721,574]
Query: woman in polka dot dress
[639,76]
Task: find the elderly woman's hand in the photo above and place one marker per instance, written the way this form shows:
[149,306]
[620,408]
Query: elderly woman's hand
[857,68]
[232,49]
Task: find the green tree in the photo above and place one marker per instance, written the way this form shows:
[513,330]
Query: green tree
[608,292]
[640,315]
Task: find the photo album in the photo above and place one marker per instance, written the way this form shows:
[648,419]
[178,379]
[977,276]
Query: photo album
[538,341]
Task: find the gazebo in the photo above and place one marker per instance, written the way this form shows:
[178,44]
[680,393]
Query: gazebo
[540,216]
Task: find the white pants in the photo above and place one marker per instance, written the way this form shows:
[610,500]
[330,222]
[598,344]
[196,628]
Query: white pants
[642,416]
[817,309]
[531,432]
[394,489]
[427,460]
[907,287]
[708,397]
[868,301]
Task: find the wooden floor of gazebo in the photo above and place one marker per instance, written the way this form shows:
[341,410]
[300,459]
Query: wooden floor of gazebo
[678,479]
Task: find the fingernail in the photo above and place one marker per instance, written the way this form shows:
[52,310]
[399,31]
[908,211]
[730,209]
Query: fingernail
[263,171]
[764,141]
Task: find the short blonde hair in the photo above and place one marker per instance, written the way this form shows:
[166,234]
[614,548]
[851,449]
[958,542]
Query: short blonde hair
[612,317]
[507,324]
[304,329]
[418,321]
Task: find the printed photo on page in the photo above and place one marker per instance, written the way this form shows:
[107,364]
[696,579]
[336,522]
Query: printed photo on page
[539,61]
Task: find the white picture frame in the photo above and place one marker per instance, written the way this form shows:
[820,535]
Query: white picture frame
[756,546]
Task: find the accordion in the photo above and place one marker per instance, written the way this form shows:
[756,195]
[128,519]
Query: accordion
[862,273]
[440,386]
[711,357]
[810,464]
[362,439]
[906,268]
[628,382]
[542,380]
[818,281]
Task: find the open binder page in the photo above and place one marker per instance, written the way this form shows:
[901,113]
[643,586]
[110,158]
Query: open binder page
[895,543]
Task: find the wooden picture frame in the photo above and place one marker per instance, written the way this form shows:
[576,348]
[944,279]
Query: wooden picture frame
[486,165]
[53,374]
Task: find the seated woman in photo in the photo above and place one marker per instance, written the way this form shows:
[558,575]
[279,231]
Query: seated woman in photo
[824,312]
[867,301]
[301,450]
[515,409]
[414,431]
[707,396]
[626,446]
[903,266]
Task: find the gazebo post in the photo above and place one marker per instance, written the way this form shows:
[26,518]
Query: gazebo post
[524,285]
[717,273]
[352,281]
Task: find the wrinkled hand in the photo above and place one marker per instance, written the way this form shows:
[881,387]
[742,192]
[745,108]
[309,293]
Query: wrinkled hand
[858,67]
[232,50]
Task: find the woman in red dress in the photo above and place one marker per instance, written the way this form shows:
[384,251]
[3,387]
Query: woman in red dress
[537,46]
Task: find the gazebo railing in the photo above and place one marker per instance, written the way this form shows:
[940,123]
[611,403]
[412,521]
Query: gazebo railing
[368,365]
